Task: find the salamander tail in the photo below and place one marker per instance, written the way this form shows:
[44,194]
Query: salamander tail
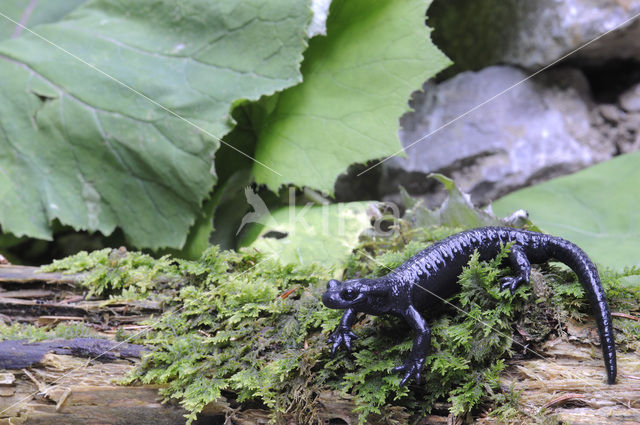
[579,262]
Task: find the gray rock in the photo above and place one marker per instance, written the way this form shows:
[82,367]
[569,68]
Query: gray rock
[630,100]
[537,130]
[617,126]
[533,34]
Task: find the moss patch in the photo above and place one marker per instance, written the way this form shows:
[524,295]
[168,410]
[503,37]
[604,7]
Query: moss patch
[240,324]
[31,333]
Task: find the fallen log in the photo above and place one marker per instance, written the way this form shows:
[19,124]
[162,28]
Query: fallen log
[59,387]
[63,395]
[20,307]
[23,354]
[571,384]
[28,274]
[568,384]
[27,295]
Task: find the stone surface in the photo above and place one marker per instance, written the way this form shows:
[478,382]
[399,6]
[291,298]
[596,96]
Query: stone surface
[579,112]
[630,100]
[533,34]
[534,131]
[617,126]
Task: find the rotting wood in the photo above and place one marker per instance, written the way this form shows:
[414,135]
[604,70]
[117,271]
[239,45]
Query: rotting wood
[7,378]
[27,274]
[77,393]
[17,307]
[27,295]
[570,382]
[46,320]
[23,354]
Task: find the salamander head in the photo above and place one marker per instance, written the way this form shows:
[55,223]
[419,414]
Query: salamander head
[347,294]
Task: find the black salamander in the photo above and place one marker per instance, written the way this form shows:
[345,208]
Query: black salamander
[432,275]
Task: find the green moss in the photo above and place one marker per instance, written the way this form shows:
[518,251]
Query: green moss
[17,331]
[237,331]
[129,275]
[243,325]
[569,301]
[79,262]
[20,331]
[506,410]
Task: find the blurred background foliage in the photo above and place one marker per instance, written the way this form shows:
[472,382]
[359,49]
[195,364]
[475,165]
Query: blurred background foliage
[115,112]
[135,124]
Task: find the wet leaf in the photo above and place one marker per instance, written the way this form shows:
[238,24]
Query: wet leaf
[323,234]
[456,211]
[30,13]
[357,82]
[598,209]
[78,147]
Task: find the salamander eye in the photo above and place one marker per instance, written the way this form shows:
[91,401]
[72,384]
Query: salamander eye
[332,284]
[348,294]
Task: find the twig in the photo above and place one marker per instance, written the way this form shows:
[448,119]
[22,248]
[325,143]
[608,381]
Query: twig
[562,399]
[63,398]
[625,316]
[40,385]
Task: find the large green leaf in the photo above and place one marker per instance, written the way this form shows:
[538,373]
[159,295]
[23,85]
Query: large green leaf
[32,12]
[324,234]
[79,147]
[357,81]
[455,211]
[597,208]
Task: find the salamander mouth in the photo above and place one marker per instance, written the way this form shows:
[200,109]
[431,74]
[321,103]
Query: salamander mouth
[333,299]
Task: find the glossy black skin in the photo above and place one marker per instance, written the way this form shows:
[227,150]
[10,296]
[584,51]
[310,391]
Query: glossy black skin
[432,275]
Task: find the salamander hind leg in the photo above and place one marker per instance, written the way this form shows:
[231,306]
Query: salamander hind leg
[412,367]
[520,265]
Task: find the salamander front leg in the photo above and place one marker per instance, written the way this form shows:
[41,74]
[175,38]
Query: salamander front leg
[343,333]
[412,367]
[520,265]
